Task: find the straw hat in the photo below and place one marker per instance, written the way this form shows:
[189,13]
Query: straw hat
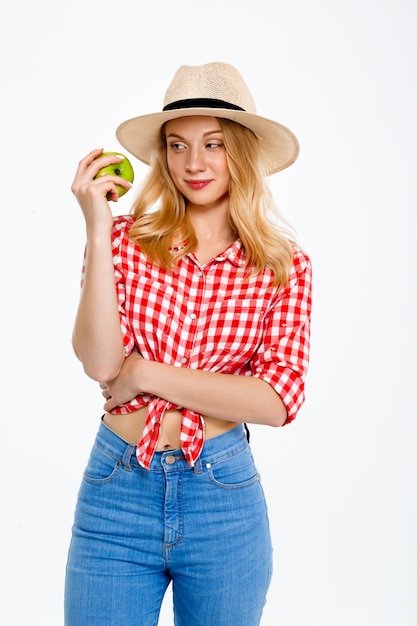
[213,89]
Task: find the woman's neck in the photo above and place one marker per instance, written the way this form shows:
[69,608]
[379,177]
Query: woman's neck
[213,231]
[211,223]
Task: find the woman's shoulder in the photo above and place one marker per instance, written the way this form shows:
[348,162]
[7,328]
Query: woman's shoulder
[301,260]
[122,244]
[120,231]
[122,223]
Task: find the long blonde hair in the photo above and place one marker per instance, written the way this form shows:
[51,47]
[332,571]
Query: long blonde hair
[161,221]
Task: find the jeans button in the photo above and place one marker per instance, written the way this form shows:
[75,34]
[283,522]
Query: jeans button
[170,459]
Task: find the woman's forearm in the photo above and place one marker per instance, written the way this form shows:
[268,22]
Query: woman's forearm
[221,396]
[97,337]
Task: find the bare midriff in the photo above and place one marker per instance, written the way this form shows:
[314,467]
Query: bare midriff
[129,426]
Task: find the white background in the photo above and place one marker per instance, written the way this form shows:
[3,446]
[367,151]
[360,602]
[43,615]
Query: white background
[341,481]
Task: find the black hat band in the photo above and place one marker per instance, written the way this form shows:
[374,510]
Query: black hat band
[206,103]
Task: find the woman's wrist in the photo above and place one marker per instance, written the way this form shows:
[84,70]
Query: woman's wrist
[145,375]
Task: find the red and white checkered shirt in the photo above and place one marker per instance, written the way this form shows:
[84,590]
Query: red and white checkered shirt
[210,318]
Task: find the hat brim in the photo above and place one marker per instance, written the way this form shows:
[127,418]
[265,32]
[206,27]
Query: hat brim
[280,147]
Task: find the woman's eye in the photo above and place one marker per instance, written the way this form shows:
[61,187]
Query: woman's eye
[176,145]
[214,144]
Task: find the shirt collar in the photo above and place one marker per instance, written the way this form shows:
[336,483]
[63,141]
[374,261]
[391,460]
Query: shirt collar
[234,253]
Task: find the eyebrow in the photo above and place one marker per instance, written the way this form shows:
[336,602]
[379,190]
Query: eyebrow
[209,132]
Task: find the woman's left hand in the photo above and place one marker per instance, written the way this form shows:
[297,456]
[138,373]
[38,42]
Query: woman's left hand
[125,387]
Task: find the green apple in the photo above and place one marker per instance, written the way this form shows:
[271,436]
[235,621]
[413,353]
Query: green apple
[123,169]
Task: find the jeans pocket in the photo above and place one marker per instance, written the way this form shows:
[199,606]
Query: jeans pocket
[235,472]
[102,467]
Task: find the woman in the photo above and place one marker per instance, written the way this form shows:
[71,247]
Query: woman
[194,316]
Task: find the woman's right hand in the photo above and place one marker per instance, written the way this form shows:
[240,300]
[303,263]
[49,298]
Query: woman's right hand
[93,193]
[126,385]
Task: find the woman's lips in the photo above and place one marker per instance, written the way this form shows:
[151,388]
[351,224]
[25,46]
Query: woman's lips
[198,184]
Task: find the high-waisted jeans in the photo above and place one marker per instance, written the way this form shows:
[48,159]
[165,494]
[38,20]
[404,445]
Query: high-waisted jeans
[205,529]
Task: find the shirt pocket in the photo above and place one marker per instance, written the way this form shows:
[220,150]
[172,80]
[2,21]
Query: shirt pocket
[236,328]
[152,307]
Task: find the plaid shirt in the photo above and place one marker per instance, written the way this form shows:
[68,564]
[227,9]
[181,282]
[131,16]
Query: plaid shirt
[209,318]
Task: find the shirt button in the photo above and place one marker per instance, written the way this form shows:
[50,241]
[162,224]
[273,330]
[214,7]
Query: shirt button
[170,459]
[184,359]
[193,316]
[199,273]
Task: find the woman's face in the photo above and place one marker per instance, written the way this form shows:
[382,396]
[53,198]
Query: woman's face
[196,158]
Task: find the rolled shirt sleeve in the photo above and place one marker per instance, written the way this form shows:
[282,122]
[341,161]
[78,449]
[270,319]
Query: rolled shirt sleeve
[120,268]
[283,357]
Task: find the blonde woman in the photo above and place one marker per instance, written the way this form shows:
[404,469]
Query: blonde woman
[194,317]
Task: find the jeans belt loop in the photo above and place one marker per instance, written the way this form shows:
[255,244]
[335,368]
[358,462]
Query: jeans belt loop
[198,466]
[129,452]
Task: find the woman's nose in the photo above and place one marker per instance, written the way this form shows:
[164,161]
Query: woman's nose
[195,161]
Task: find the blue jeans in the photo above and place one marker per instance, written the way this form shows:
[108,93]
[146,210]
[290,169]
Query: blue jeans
[205,529]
